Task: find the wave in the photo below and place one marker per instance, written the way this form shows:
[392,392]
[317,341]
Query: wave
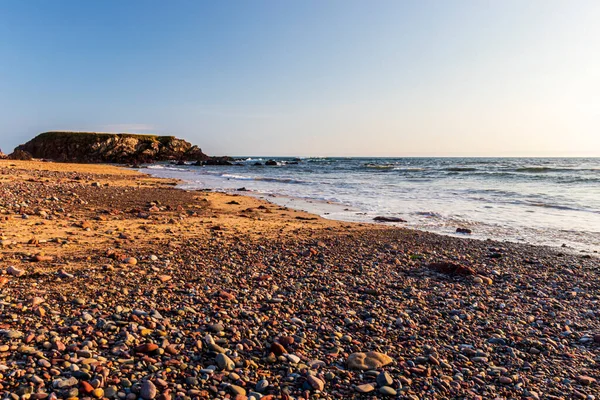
[554,169]
[264,179]
[380,166]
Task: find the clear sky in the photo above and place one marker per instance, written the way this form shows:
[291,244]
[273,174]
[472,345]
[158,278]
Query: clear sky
[302,77]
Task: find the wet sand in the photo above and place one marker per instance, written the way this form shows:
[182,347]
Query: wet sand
[117,285]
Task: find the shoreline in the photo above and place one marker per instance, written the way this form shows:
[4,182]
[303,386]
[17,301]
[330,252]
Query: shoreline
[114,284]
[341,212]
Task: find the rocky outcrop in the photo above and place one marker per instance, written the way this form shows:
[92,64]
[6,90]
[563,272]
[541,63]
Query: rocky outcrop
[2,155]
[20,155]
[118,148]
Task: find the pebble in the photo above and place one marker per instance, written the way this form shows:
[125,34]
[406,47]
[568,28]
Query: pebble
[370,360]
[365,388]
[224,362]
[148,390]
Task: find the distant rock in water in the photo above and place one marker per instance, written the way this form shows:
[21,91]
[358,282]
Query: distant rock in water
[118,148]
[466,231]
[388,219]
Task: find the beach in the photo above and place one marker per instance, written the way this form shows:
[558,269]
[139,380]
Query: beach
[115,284]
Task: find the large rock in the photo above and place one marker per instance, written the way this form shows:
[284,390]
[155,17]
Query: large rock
[119,148]
[370,360]
[19,154]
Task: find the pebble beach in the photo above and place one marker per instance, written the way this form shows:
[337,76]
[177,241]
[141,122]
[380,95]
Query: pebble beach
[117,285]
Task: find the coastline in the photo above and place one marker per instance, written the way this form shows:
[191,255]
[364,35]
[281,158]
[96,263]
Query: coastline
[141,286]
[481,197]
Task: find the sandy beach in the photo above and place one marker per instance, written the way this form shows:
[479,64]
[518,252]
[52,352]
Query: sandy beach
[114,284]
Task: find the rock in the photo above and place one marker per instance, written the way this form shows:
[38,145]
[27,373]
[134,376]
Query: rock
[387,391]
[41,257]
[148,390]
[451,269]
[146,348]
[388,219]
[277,349]
[121,148]
[370,360]
[216,328]
[294,359]
[20,154]
[464,230]
[286,341]
[271,163]
[14,271]
[384,379]
[64,275]
[365,388]
[130,261]
[237,390]
[262,385]
[224,362]
[315,383]
[585,380]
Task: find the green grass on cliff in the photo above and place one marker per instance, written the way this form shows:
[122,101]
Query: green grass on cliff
[86,136]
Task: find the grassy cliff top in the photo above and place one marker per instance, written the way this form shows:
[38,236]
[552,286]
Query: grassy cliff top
[100,135]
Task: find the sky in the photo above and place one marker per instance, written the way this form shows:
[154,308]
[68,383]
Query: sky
[304,77]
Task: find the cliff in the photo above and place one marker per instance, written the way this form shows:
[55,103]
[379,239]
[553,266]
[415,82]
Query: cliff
[119,148]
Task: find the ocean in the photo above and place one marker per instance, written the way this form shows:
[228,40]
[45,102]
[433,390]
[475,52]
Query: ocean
[542,201]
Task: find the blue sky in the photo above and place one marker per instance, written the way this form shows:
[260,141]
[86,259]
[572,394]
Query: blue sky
[345,77]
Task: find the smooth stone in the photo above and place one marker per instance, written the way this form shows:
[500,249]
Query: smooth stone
[224,362]
[370,360]
[387,391]
[384,379]
[262,385]
[366,388]
[148,390]
[315,383]
[237,390]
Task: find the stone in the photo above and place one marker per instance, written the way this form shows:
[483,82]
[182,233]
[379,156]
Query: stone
[224,362]
[277,349]
[237,390]
[14,271]
[294,359]
[585,380]
[387,391]
[146,348]
[370,360]
[384,379]
[148,390]
[262,385]
[365,388]
[315,383]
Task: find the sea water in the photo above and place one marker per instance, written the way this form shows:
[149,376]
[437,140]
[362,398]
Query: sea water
[545,201]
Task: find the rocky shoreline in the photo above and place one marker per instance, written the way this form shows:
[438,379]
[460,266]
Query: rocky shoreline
[116,285]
